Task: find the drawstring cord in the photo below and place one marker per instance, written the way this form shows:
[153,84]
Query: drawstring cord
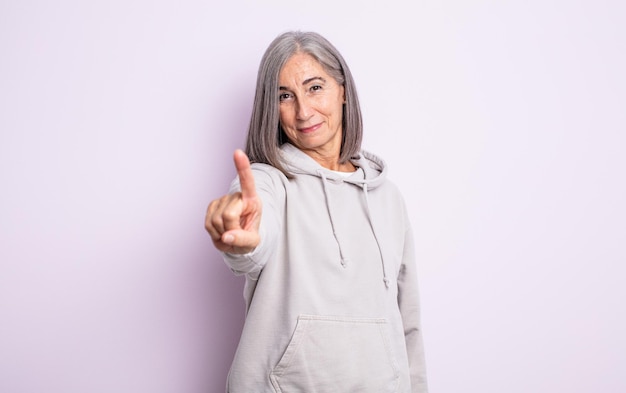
[369,217]
[344,261]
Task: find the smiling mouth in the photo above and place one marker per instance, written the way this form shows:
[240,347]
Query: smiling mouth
[307,130]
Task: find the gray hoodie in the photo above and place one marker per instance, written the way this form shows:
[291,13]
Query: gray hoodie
[331,290]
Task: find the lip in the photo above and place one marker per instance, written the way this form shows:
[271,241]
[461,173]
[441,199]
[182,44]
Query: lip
[307,130]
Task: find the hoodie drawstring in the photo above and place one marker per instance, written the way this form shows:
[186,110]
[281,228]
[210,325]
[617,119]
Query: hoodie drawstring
[369,217]
[344,261]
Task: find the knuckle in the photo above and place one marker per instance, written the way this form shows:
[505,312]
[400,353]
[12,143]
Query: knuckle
[216,220]
[230,215]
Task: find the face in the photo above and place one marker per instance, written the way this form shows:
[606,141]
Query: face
[311,107]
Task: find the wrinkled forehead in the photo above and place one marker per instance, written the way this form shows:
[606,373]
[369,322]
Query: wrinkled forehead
[300,67]
[303,65]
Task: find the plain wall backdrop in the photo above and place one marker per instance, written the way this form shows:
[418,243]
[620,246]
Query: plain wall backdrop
[503,123]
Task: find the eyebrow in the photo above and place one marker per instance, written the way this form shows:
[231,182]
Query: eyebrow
[306,82]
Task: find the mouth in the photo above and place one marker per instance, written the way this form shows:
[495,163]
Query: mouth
[307,130]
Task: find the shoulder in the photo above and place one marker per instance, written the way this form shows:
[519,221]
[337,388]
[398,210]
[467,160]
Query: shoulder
[269,180]
[268,173]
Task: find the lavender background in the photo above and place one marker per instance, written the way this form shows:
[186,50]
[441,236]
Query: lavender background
[503,123]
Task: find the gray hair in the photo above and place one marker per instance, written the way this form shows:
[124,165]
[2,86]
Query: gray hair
[265,135]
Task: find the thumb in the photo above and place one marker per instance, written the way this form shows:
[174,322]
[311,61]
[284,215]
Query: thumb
[241,241]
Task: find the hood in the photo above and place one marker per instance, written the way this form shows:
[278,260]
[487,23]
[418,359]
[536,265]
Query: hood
[371,173]
[299,163]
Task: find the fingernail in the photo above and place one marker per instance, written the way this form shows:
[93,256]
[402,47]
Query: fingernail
[228,239]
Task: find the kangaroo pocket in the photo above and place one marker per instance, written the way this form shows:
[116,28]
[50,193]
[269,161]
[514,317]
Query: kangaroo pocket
[336,354]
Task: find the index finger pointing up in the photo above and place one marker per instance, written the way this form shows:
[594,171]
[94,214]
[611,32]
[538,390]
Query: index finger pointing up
[246,179]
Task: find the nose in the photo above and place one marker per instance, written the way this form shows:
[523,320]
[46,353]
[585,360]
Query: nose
[304,111]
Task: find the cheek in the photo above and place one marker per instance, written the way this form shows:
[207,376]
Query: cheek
[285,116]
[335,110]
[334,107]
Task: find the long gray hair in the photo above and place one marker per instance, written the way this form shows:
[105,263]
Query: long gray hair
[265,135]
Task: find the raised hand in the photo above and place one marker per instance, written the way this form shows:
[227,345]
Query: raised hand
[233,220]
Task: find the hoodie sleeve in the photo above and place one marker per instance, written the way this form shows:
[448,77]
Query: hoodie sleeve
[272,193]
[408,301]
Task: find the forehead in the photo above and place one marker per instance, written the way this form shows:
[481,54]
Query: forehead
[301,66]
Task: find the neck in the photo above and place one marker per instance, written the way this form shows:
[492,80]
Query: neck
[331,162]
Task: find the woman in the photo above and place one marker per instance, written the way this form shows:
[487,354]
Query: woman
[321,236]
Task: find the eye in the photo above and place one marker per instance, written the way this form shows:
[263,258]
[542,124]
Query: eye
[316,88]
[284,96]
